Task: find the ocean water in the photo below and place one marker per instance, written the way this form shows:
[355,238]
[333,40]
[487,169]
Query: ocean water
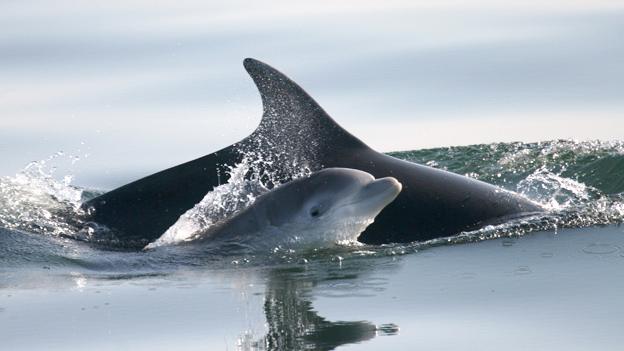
[548,282]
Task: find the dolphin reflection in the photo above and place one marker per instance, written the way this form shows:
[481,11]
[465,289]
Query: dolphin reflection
[292,322]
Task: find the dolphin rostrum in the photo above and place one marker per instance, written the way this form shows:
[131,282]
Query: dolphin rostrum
[296,132]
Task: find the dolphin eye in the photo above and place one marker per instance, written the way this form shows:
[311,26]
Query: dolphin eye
[315,212]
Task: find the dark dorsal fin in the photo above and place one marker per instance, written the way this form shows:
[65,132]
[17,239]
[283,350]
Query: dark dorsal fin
[291,118]
[293,126]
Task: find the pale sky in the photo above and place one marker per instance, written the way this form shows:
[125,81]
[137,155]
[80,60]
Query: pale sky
[143,85]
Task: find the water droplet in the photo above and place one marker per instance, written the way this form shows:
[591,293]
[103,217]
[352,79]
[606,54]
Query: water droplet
[336,258]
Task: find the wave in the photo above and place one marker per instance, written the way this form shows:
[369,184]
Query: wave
[580,183]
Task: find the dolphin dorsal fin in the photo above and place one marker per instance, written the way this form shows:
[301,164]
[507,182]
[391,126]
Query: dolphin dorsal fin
[291,118]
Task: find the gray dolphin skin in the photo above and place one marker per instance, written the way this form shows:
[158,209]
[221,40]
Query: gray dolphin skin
[295,130]
[329,206]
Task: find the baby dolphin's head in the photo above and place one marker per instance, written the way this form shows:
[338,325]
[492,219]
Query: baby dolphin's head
[331,205]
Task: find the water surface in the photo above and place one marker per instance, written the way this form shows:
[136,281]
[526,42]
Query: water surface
[552,281]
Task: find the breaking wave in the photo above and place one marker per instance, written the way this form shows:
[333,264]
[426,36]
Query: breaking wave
[580,183]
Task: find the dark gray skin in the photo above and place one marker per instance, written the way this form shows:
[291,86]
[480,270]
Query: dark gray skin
[295,130]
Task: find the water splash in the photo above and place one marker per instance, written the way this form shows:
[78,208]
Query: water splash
[247,180]
[270,157]
[34,200]
[239,192]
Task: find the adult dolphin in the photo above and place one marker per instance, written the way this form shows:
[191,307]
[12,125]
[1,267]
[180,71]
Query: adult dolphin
[296,132]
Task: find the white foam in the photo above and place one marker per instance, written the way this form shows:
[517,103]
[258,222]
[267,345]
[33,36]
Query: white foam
[222,202]
[34,200]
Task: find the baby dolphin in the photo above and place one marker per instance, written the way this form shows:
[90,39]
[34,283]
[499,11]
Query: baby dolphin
[330,206]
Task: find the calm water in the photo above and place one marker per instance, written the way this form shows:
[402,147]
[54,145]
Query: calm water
[552,282]
[542,291]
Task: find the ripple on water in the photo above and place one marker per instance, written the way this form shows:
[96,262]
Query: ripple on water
[600,249]
[508,242]
[467,276]
[338,294]
[375,281]
[523,270]
[348,289]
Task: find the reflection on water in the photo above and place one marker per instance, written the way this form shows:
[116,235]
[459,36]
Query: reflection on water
[165,293]
[292,322]
[294,325]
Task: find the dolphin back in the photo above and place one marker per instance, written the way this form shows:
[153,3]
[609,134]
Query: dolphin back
[139,212]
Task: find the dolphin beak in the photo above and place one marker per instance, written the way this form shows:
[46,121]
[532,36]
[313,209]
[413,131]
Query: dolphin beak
[388,184]
[383,190]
